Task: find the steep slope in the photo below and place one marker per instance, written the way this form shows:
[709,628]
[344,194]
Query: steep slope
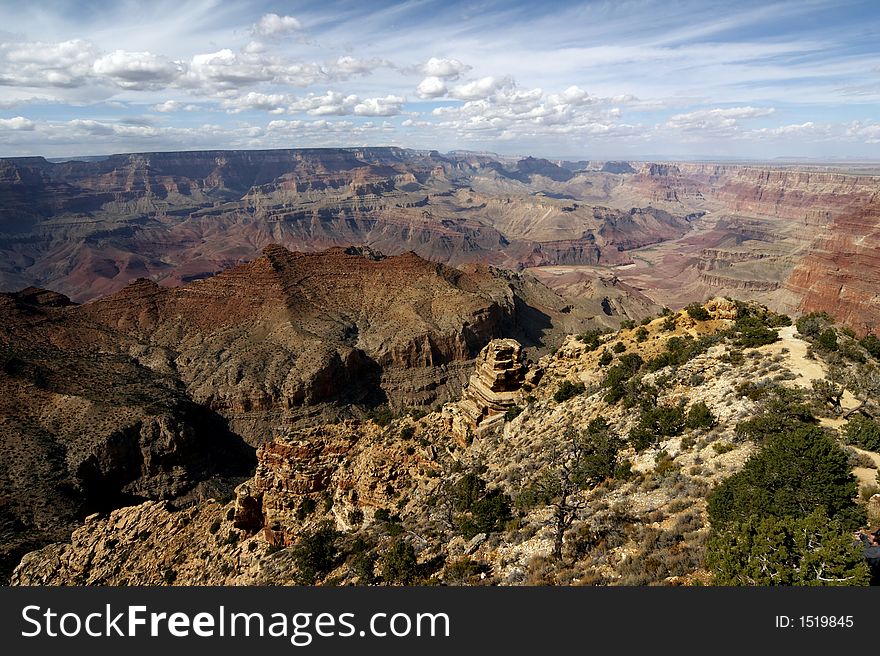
[155,393]
[467,504]
[85,429]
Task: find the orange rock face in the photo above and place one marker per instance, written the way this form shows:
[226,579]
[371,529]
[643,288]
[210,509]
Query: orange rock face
[841,275]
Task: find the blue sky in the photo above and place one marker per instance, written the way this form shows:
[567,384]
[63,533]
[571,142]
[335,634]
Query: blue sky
[595,79]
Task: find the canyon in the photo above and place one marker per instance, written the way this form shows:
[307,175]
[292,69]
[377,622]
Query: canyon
[657,233]
[235,347]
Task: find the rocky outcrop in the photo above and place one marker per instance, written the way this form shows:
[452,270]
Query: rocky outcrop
[721,308]
[617,168]
[494,386]
[719,281]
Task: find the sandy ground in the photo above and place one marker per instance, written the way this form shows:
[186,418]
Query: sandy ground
[867,476]
[806,370]
[809,370]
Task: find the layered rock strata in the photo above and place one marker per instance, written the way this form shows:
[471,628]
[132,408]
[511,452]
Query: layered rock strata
[495,385]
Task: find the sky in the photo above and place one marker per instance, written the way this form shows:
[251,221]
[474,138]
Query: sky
[624,79]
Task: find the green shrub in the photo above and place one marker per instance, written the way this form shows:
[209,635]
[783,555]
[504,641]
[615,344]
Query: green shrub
[752,332]
[810,325]
[627,324]
[381,416]
[512,413]
[486,515]
[698,312]
[306,508]
[618,347]
[315,554]
[567,389]
[778,320]
[794,473]
[641,334]
[871,344]
[807,550]
[462,570]
[863,432]
[827,340]
[398,564]
[605,359]
[407,432]
[475,509]
[592,338]
[363,562]
[699,416]
[656,423]
[618,375]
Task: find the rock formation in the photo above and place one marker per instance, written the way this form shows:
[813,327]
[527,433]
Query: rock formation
[495,385]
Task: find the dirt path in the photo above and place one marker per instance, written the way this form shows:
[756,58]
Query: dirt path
[807,370]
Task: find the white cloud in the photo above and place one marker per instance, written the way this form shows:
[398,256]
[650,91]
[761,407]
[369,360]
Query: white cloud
[334,103]
[444,68]
[346,66]
[331,103]
[273,103]
[807,130]
[168,106]
[272,25]
[36,64]
[17,123]
[137,70]
[868,133]
[225,70]
[254,48]
[573,95]
[715,119]
[431,87]
[481,88]
[387,106]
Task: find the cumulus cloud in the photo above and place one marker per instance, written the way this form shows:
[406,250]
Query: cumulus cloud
[573,95]
[17,123]
[36,64]
[173,106]
[444,68]
[346,66]
[868,133]
[334,103]
[331,103]
[273,25]
[273,103]
[137,70]
[387,106]
[807,130]
[431,87]
[481,88]
[225,69]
